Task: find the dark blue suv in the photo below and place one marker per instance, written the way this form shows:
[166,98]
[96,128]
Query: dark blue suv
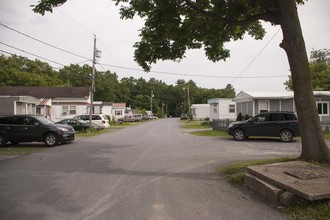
[268,124]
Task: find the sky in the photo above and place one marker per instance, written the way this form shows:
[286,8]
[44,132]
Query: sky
[254,65]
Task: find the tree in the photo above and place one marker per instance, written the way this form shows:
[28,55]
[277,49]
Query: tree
[173,26]
[20,71]
[319,69]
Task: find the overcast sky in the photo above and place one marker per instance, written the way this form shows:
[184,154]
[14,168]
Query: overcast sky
[253,66]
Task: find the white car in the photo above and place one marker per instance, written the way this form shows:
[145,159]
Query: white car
[96,118]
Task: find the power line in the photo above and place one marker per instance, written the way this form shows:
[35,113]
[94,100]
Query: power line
[249,64]
[56,9]
[40,41]
[194,75]
[32,54]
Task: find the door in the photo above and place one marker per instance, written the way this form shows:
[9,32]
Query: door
[263,106]
[257,125]
[32,130]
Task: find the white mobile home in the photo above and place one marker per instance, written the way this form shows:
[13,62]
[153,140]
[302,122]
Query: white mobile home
[200,111]
[222,108]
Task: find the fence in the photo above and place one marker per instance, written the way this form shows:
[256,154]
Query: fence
[325,126]
[221,124]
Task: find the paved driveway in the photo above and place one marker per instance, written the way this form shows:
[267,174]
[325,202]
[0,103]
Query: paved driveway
[151,171]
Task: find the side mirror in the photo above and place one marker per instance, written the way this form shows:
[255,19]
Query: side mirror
[37,124]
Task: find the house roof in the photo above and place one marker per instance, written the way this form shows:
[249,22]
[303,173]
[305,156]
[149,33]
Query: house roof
[118,105]
[200,105]
[46,92]
[43,101]
[249,95]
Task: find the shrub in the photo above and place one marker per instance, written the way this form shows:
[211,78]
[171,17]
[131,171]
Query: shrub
[239,117]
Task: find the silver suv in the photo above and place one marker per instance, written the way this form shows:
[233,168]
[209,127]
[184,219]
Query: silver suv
[96,118]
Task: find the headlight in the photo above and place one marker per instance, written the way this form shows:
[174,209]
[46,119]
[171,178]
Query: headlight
[62,129]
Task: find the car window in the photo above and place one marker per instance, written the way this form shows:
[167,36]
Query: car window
[275,117]
[4,120]
[96,117]
[290,117]
[29,121]
[16,121]
[45,120]
[260,118]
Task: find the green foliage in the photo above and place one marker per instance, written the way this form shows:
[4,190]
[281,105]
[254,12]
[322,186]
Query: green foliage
[239,117]
[305,210]
[319,70]
[246,117]
[20,71]
[235,172]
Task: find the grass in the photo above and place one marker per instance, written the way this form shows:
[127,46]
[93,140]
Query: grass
[20,150]
[327,136]
[305,210]
[301,210]
[235,172]
[211,133]
[194,124]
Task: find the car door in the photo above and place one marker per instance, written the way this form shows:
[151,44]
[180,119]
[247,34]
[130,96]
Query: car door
[257,125]
[273,125]
[32,129]
[15,129]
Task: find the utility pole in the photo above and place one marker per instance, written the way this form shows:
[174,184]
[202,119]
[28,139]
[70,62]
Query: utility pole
[152,95]
[96,54]
[189,110]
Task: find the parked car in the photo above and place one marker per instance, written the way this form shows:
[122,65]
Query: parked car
[131,118]
[147,117]
[272,124]
[184,116]
[96,118]
[79,125]
[30,128]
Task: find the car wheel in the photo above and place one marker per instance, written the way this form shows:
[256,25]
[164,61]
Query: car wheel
[2,141]
[239,135]
[286,136]
[51,139]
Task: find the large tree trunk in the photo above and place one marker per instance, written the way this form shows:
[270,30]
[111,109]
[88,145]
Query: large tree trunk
[314,147]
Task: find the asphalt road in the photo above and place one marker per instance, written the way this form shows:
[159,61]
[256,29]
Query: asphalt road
[151,171]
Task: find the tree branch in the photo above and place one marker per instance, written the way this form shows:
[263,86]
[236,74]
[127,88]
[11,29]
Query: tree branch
[267,16]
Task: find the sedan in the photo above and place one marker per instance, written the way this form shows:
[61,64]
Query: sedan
[79,125]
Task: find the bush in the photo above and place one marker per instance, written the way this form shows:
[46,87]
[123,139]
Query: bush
[246,117]
[239,117]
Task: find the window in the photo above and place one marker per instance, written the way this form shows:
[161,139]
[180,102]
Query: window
[232,109]
[260,118]
[68,110]
[118,112]
[323,108]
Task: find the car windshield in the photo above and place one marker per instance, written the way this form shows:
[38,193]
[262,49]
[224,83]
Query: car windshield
[45,121]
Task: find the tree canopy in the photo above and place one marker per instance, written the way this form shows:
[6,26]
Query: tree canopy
[319,69]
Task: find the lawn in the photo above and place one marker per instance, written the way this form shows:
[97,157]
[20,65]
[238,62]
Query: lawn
[187,124]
